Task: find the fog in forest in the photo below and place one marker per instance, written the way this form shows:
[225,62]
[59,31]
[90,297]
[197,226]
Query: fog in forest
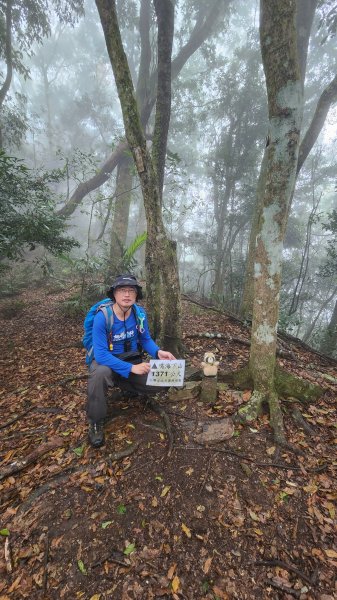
[62,136]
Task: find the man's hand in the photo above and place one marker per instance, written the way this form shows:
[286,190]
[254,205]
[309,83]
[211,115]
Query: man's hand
[163,355]
[141,369]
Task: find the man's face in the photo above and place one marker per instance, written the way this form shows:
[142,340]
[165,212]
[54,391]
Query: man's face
[125,296]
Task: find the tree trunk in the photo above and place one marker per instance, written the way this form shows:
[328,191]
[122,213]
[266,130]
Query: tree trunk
[165,19]
[305,15]
[246,308]
[329,343]
[311,328]
[9,61]
[159,247]
[285,108]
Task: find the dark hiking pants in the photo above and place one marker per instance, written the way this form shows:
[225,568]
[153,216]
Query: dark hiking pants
[101,378]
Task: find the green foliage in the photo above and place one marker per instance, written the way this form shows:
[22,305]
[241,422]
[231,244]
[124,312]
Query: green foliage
[27,215]
[330,266]
[31,23]
[76,307]
[14,121]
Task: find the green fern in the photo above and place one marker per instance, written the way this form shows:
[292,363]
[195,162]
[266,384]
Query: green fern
[134,246]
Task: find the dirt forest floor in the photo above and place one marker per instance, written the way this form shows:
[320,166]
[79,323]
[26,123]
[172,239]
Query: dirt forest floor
[239,519]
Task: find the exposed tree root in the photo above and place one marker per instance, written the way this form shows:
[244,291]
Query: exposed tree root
[160,411]
[65,474]
[286,384]
[20,465]
[45,487]
[276,419]
[17,417]
[300,420]
[286,567]
[114,556]
[123,453]
[250,411]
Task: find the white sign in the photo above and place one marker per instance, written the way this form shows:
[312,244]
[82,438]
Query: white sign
[166,373]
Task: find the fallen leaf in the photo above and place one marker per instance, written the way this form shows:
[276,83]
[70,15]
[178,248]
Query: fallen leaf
[175,583]
[81,567]
[106,524]
[165,490]
[129,549]
[79,451]
[207,565]
[4,531]
[331,553]
[171,570]
[220,593]
[186,530]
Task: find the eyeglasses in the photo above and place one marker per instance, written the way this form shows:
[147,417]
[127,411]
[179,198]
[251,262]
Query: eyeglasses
[126,290]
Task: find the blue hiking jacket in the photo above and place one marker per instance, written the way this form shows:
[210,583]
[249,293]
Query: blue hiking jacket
[104,356]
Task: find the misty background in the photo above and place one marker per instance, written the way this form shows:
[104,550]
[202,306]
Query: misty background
[61,117]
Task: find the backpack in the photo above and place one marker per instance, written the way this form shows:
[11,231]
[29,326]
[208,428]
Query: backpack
[106,307]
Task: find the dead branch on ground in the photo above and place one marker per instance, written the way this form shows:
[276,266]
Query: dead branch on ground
[20,465]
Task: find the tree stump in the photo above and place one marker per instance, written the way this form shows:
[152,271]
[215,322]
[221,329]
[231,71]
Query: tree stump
[208,393]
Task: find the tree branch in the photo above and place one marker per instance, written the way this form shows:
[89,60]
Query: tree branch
[327,98]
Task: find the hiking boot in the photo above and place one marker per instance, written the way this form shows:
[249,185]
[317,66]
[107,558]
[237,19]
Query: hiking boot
[96,434]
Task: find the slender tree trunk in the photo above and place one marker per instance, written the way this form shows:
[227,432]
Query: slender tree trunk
[306,252]
[165,19]
[46,86]
[309,331]
[285,107]
[9,61]
[329,343]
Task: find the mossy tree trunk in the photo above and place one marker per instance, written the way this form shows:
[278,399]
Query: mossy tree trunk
[285,107]
[159,246]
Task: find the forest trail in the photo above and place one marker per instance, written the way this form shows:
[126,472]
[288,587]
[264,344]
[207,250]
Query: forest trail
[234,520]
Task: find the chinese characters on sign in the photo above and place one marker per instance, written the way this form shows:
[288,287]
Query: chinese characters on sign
[166,373]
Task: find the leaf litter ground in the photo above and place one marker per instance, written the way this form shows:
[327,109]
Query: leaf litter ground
[238,519]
